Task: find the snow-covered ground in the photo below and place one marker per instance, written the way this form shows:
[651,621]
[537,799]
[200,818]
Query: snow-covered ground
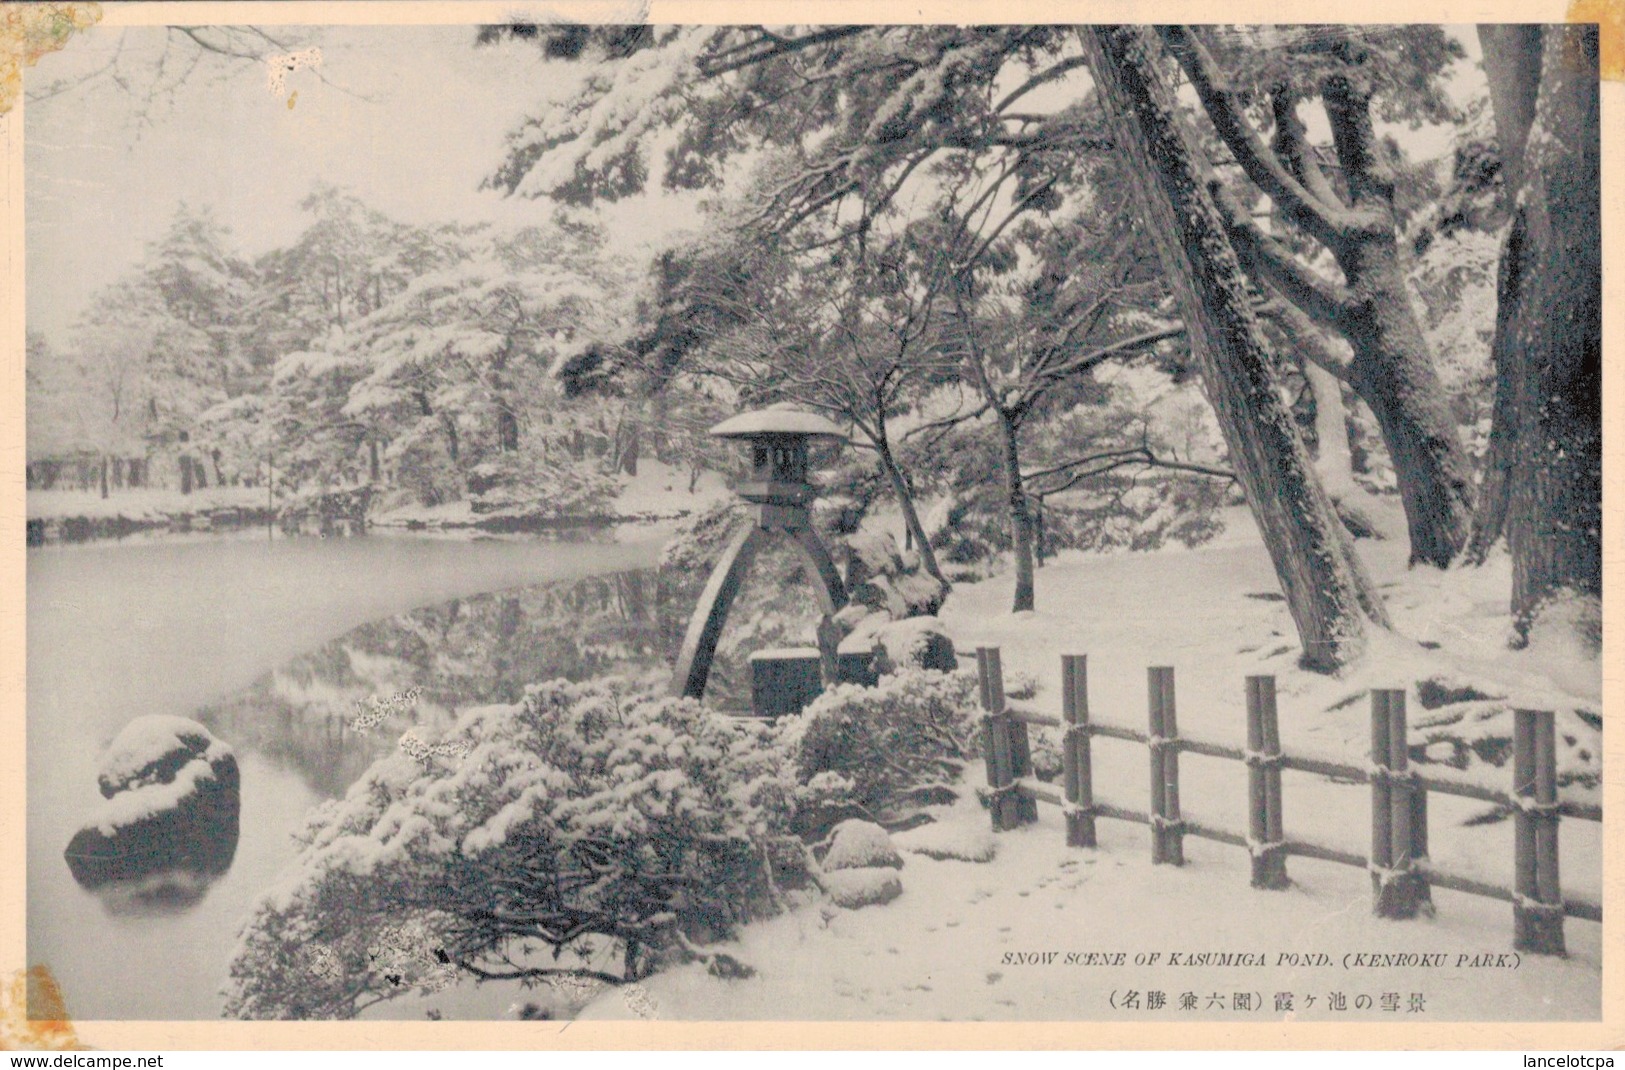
[658,492]
[139,503]
[661,490]
[966,941]
[950,946]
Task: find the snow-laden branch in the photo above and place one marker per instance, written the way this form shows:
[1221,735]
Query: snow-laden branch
[1224,108]
[1291,144]
[1110,460]
[1262,254]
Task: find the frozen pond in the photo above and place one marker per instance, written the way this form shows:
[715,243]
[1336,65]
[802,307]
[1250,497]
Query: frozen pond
[269,643]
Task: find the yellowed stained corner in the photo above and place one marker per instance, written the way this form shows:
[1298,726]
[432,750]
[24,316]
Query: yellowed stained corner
[1609,15]
[29,31]
[50,1030]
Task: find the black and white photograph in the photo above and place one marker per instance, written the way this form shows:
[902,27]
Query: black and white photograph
[539,520]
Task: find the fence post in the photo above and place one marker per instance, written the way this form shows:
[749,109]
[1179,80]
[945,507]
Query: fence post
[1264,823]
[1167,831]
[1393,880]
[1419,843]
[1382,844]
[1005,742]
[1075,757]
[1406,883]
[994,751]
[1538,908]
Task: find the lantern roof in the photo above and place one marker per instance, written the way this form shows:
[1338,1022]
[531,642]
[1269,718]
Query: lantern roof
[777,420]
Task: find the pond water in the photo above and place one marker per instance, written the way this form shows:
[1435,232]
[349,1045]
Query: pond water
[270,644]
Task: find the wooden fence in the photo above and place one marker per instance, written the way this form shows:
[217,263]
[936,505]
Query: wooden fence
[1401,873]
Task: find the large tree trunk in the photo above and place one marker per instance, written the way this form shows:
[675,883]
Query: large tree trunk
[1512,61]
[1021,517]
[1512,71]
[1327,591]
[1392,369]
[1393,372]
[1549,340]
[1393,364]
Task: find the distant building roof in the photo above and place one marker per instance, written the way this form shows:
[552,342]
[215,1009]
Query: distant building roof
[777,421]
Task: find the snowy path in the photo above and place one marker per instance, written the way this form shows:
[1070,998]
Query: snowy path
[939,952]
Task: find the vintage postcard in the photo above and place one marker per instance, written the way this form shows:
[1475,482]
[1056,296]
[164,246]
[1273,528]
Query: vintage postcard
[558,526]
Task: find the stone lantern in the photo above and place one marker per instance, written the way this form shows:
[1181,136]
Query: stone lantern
[779,441]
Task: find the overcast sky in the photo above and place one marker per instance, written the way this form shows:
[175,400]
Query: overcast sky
[413,121]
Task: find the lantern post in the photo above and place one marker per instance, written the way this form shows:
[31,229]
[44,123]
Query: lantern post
[780,442]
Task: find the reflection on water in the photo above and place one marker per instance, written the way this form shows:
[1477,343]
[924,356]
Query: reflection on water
[329,714]
[171,891]
[117,633]
[112,637]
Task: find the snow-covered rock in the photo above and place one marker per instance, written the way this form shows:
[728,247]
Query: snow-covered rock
[152,749]
[884,578]
[921,642]
[864,887]
[858,844]
[942,841]
[172,794]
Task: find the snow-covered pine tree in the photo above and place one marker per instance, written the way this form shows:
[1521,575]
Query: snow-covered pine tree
[1327,590]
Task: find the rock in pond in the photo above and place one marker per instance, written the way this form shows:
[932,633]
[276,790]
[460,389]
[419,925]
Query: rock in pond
[172,801]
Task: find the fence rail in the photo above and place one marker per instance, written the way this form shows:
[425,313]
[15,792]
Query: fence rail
[1402,875]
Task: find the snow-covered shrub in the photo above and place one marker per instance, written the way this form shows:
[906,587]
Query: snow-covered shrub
[848,490]
[586,829]
[868,887]
[533,483]
[858,844]
[900,744]
[1143,511]
[699,539]
[1147,513]
[1044,751]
